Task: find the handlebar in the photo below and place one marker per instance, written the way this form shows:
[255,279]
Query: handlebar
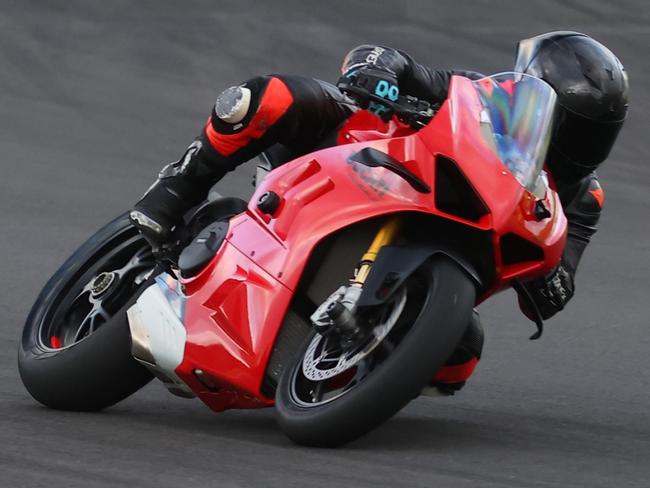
[410,110]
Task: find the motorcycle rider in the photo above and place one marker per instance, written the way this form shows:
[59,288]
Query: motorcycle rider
[298,112]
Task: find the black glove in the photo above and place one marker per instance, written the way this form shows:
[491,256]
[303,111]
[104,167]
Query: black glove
[550,293]
[381,83]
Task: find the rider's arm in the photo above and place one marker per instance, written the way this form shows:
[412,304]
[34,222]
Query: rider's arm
[582,208]
[582,202]
[413,78]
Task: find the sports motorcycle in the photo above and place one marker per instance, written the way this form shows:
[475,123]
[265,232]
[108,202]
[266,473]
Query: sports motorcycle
[337,291]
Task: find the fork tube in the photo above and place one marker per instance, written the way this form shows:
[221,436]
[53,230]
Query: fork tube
[384,237]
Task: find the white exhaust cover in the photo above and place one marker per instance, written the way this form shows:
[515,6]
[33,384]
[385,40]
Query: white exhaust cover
[158,333]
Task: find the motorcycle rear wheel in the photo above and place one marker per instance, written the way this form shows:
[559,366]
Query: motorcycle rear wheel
[75,351]
[440,297]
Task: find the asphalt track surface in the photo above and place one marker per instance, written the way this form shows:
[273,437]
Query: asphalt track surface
[96,96]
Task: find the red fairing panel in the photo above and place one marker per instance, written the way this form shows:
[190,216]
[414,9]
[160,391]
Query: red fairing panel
[231,325]
[323,193]
[455,132]
[236,306]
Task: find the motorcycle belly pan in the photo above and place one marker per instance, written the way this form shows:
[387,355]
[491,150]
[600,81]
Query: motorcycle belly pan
[232,323]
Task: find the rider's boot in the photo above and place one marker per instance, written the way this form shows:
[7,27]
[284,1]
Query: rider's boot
[180,186]
[460,366]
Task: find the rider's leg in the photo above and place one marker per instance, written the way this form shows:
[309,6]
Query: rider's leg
[245,120]
[460,366]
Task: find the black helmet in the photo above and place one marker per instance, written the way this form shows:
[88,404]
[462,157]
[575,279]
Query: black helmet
[591,86]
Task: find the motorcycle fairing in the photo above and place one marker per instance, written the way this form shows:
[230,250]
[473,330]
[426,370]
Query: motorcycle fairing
[236,305]
[231,326]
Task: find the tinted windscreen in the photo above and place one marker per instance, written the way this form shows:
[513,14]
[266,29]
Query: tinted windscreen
[516,121]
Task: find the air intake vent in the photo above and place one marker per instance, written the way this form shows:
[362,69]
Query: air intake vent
[517,250]
[454,194]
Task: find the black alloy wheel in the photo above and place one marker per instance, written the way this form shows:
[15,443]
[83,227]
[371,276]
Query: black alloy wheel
[75,352]
[337,390]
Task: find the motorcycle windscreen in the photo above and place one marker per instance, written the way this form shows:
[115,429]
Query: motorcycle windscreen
[516,121]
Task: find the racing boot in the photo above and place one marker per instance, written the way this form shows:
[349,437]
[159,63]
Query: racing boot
[180,186]
[459,367]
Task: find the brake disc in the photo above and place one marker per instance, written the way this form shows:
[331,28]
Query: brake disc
[320,363]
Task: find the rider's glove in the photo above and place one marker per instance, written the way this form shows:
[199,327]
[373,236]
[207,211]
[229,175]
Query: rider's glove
[378,82]
[550,293]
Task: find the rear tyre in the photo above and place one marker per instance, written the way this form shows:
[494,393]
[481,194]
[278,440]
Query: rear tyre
[328,413]
[75,351]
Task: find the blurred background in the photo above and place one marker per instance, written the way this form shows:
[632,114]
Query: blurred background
[95,97]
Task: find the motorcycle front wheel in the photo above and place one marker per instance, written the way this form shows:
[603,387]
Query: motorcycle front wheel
[335,392]
[75,350]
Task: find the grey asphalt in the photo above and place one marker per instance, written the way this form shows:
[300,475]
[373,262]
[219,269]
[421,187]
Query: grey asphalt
[96,96]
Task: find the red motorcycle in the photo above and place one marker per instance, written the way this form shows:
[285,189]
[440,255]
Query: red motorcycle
[338,291]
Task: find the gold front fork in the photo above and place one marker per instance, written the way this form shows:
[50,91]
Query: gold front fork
[384,237]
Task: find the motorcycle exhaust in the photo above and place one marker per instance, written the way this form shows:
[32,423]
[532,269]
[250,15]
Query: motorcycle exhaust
[158,335]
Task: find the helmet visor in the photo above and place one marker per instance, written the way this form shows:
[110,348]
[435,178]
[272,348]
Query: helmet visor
[526,50]
[586,142]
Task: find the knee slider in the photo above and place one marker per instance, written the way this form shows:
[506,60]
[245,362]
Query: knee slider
[232,104]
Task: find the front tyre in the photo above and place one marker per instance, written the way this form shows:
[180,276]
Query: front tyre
[75,351]
[326,403]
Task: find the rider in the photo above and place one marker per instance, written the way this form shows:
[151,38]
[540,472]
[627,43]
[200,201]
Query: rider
[591,86]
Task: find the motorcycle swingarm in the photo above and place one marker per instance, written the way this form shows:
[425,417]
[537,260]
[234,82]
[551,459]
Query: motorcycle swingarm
[396,263]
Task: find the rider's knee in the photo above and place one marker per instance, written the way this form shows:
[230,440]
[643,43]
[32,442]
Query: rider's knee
[233,104]
[263,97]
